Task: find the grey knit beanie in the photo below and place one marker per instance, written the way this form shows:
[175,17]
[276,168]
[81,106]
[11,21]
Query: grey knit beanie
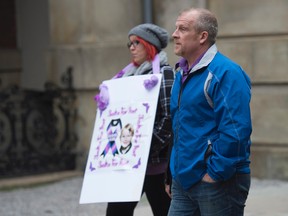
[154,34]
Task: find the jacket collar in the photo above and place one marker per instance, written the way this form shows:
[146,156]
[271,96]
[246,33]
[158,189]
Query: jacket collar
[204,61]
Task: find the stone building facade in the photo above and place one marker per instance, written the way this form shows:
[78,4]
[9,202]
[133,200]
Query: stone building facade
[90,36]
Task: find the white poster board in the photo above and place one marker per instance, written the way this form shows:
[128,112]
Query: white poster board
[116,167]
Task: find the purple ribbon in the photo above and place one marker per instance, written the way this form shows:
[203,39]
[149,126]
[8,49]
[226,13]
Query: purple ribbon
[110,145]
[152,82]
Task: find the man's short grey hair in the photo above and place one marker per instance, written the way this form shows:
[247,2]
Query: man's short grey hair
[206,21]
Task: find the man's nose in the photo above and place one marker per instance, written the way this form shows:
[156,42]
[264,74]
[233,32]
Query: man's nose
[175,34]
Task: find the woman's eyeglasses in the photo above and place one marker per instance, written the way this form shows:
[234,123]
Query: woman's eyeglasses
[134,43]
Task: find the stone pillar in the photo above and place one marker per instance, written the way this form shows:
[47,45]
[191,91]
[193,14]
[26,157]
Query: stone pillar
[33,34]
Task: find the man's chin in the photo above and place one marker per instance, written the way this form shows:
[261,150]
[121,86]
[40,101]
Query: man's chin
[177,52]
[176,49]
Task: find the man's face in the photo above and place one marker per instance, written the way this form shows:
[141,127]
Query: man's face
[186,39]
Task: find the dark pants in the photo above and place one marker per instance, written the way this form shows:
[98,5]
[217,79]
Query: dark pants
[155,192]
[211,199]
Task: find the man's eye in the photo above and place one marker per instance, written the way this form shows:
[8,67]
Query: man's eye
[183,29]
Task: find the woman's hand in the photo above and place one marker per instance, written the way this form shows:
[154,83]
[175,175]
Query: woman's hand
[168,190]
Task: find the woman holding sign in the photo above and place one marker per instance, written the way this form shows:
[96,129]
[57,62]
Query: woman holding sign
[146,42]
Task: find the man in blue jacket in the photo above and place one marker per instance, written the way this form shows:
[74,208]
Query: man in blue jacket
[210,109]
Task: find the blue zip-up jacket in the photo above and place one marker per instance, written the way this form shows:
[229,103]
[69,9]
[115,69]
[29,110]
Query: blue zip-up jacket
[210,109]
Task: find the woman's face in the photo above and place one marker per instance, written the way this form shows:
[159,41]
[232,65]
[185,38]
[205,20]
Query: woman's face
[137,50]
[125,137]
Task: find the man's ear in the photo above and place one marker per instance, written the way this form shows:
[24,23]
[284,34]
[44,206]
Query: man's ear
[203,37]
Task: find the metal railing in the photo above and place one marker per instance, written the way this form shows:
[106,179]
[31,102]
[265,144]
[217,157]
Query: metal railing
[37,129]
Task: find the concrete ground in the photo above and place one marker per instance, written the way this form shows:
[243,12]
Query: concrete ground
[58,195]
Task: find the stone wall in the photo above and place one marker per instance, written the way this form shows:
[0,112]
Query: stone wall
[255,34]
[91,36]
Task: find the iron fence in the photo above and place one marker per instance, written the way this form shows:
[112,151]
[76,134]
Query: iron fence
[37,129]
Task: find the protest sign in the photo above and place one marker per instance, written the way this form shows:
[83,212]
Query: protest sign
[120,144]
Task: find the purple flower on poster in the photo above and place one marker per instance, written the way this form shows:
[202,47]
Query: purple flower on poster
[150,83]
[102,98]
